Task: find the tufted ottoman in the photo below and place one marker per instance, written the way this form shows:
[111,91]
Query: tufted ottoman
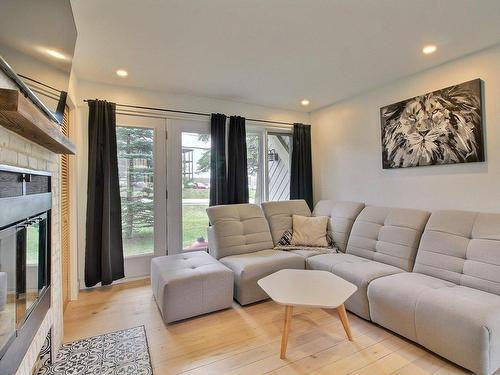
[190,284]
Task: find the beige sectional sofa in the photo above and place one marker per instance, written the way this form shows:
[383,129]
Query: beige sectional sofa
[433,278]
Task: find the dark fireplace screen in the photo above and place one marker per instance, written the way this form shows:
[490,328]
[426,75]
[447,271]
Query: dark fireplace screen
[24,251]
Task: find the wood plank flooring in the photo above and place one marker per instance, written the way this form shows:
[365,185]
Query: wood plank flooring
[246,340]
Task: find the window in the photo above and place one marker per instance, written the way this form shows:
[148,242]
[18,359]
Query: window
[135,173]
[278,170]
[268,155]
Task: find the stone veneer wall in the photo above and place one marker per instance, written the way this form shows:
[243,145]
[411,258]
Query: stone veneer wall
[18,151]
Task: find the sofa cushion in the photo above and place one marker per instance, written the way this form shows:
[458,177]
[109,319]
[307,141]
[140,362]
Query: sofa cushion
[238,229]
[248,268]
[342,216]
[461,324]
[393,300]
[309,231]
[279,215]
[388,235]
[462,247]
[357,270]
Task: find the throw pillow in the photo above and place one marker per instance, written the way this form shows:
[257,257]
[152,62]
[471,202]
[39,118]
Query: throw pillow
[286,239]
[309,231]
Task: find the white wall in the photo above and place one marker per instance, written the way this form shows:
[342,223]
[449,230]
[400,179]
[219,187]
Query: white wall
[123,95]
[347,147]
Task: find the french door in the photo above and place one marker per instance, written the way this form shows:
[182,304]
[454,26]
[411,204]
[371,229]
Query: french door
[141,149]
[188,178]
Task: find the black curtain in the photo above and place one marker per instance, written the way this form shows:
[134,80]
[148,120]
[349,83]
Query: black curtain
[301,169]
[218,181]
[237,172]
[104,248]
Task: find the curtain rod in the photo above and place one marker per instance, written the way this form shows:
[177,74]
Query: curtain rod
[191,113]
[40,83]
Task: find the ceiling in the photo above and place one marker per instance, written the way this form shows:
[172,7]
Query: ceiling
[274,52]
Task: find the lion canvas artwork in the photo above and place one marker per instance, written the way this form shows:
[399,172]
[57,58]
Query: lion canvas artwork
[441,127]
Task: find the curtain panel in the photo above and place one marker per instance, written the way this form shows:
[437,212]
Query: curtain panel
[218,180]
[301,166]
[237,172]
[104,247]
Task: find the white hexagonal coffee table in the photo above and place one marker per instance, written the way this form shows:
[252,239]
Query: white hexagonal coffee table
[308,288]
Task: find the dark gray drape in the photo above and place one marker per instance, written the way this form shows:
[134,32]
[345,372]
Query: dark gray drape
[301,168]
[218,181]
[104,248]
[237,172]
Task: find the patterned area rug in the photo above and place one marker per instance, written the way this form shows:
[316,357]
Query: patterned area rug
[122,352]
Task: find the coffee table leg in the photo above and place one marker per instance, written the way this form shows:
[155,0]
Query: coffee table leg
[345,322]
[286,329]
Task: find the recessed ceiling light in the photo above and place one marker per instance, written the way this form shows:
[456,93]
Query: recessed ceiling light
[121,73]
[56,54]
[429,49]
[304,102]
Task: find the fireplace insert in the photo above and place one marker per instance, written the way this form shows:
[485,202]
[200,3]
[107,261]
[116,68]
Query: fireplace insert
[25,204]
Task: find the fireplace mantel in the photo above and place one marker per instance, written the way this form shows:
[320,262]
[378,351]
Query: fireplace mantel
[20,115]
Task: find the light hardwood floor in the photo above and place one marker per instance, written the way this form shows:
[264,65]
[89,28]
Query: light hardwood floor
[247,340]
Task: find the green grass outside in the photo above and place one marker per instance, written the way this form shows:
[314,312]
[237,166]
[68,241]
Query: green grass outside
[194,223]
[195,193]
[205,193]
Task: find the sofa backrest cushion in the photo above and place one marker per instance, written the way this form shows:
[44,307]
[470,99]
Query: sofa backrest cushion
[388,235]
[238,229]
[279,215]
[342,216]
[462,247]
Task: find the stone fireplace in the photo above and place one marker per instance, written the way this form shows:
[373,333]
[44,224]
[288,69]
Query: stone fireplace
[19,152]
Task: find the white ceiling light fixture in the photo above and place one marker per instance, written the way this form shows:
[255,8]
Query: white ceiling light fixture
[304,102]
[56,54]
[121,73]
[427,50]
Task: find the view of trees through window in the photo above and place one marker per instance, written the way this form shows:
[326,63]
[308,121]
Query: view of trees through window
[136,173]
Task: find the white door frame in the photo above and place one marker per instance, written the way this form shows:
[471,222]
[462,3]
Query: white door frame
[140,265]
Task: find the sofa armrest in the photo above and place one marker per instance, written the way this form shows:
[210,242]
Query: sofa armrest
[212,243]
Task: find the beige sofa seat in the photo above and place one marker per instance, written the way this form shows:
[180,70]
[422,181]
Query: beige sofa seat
[463,325]
[451,303]
[383,242]
[240,238]
[393,300]
[357,270]
[249,268]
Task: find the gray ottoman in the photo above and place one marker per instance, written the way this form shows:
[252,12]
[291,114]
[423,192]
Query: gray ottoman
[190,284]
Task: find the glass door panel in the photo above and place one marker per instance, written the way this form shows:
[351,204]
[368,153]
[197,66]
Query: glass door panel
[278,170]
[195,165]
[141,148]
[136,177]
[256,191]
